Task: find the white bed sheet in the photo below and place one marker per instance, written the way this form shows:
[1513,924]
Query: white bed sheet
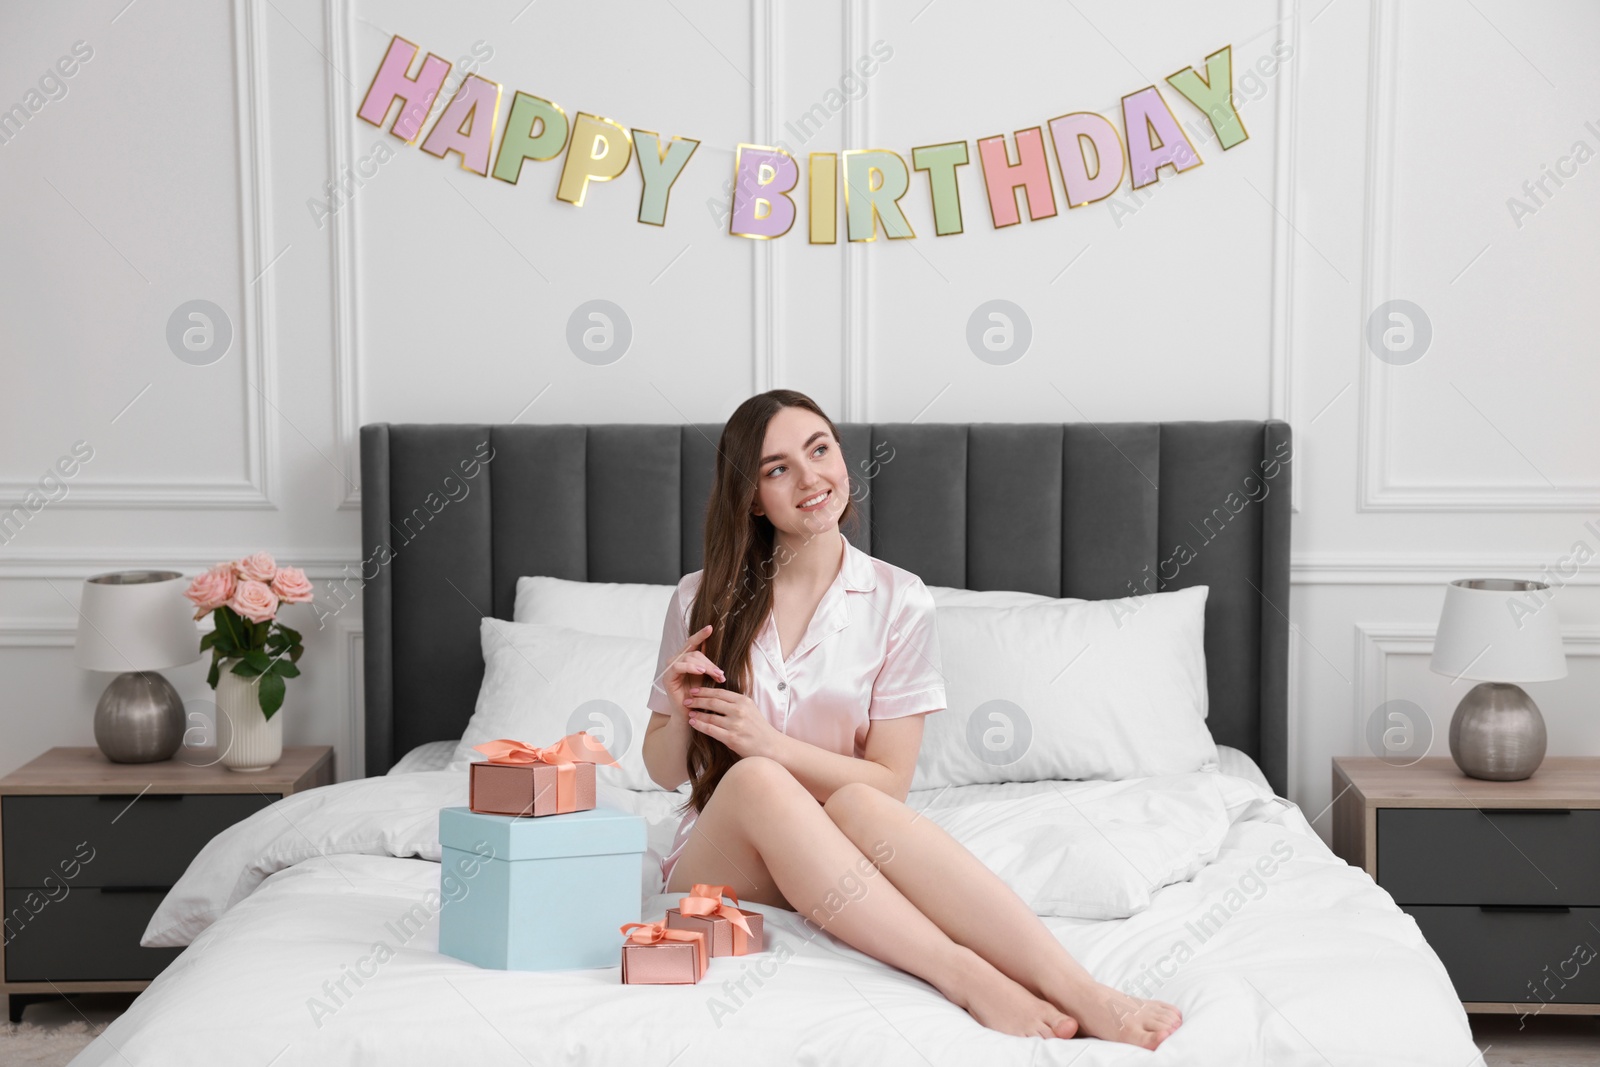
[1319,966]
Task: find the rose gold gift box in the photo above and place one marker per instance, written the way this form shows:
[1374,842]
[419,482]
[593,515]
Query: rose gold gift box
[526,788]
[722,935]
[665,962]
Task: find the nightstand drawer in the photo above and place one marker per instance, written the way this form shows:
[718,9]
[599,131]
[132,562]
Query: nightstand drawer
[145,842]
[88,935]
[1492,856]
[1516,956]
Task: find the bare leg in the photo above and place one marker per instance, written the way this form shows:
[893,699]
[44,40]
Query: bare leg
[975,908]
[763,834]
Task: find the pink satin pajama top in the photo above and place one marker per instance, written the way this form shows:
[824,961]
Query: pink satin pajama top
[870,651]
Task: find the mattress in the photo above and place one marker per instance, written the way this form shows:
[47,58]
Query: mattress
[298,958]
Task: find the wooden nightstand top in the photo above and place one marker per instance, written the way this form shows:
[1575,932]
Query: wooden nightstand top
[1436,782]
[192,770]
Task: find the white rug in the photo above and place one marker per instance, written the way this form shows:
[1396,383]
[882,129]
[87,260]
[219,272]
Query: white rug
[28,1044]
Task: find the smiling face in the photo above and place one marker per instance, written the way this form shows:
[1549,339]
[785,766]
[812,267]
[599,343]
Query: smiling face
[803,485]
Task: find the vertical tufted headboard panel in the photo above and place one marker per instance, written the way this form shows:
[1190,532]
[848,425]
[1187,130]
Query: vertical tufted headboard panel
[454,514]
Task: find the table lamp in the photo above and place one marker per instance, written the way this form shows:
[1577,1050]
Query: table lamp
[1493,630]
[137,623]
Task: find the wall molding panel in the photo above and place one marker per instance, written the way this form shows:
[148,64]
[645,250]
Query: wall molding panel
[343,305]
[1331,568]
[80,563]
[1377,491]
[38,633]
[1376,643]
[351,745]
[766,77]
[1281,399]
[855,277]
[254,338]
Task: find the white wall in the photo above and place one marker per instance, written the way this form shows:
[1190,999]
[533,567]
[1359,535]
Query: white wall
[184,158]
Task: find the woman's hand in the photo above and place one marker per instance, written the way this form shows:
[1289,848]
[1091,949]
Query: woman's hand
[687,669]
[731,718]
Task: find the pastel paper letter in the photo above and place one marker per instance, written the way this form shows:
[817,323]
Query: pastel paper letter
[874,181]
[1069,132]
[1155,139]
[941,161]
[1213,94]
[417,93]
[762,178]
[467,125]
[599,151]
[1031,171]
[824,189]
[659,168]
[536,129]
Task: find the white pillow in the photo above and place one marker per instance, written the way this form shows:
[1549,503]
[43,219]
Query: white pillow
[1071,689]
[543,682]
[945,596]
[624,608]
[430,756]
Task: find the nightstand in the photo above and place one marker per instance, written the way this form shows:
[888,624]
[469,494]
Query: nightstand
[88,849]
[1502,878]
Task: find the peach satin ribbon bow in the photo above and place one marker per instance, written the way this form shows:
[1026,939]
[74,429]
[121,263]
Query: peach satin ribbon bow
[705,901]
[564,756]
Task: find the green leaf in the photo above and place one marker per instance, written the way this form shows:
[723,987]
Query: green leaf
[284,669]
[292,635]
[231,624]
[294,654]
[259,636]
[244,670]
[257,659]
[271,694]
[212,674]
[208,640]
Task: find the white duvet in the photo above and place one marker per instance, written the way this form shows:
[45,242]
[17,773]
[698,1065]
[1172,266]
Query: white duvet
[1276,951]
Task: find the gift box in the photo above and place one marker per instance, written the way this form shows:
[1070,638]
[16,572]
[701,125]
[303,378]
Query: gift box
[653,954]
[538,894]
[522,779]
[729,929]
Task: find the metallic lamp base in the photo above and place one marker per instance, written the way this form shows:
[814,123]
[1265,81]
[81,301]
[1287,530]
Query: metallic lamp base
[139,718]
[1497,733]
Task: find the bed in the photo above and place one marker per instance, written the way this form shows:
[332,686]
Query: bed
[305,942]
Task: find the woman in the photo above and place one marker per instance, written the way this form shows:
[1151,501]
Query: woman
[794,674]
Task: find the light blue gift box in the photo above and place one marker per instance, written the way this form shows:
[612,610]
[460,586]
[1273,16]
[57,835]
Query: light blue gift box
[545,894]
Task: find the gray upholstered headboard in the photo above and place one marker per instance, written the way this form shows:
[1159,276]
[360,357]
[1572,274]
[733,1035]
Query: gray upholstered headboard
[453,514]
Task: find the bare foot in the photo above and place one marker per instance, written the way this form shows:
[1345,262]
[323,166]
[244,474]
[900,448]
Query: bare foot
[1112,1015]
[1000,1003]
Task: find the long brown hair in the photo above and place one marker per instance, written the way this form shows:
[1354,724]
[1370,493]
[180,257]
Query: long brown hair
[735,594]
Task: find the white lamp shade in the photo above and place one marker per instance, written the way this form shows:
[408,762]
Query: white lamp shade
[1498,630]
[136,621]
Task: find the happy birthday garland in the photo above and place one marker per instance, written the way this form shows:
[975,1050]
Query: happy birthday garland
[766,178]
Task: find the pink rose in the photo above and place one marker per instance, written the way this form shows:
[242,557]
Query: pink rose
[212,589]
[257,568]
[255,601]
[291,585]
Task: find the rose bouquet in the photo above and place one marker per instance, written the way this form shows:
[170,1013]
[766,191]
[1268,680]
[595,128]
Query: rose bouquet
[243,599]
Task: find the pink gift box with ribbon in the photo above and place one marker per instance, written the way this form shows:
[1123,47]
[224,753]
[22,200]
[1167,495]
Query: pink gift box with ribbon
[729,929]
[523,779]
[656,955]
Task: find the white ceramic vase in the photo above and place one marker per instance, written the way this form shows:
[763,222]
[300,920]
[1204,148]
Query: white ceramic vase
[247,739]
